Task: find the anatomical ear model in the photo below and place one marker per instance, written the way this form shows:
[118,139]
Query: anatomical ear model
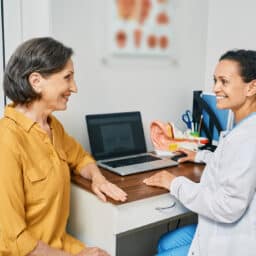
[166,137]
[161,135]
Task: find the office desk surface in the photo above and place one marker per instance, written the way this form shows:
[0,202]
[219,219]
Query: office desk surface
[133,184]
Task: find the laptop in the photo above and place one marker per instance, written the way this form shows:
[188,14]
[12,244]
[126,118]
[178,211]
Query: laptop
[118,144]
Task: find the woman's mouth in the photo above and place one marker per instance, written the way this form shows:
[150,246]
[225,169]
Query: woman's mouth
[66,97]
[221,97]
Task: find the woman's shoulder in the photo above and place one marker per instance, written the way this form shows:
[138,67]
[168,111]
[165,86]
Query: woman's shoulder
[243,134]
[7,126]
[9,132]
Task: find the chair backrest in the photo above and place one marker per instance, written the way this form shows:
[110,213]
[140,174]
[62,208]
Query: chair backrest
[200,106]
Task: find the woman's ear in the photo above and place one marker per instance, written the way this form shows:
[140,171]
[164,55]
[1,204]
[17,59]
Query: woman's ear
[252,88]
[35,80]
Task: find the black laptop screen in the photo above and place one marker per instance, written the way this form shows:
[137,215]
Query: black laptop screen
[115,135]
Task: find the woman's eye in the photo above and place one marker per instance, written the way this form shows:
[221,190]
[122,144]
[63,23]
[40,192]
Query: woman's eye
[67,77]
[224,81]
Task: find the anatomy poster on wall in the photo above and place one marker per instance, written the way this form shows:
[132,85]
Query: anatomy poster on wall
[141,27]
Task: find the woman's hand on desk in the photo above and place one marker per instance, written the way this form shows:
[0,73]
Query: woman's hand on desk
[102,187]
[92,251]
[162,179]
[190,155]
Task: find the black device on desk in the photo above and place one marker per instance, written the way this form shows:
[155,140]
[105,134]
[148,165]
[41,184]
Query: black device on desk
[178,156]
[209,147]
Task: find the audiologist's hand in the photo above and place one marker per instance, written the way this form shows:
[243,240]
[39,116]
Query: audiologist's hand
[161,179]
[92,251]
[190,155]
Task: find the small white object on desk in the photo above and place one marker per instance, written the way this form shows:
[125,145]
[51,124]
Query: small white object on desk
[163,153]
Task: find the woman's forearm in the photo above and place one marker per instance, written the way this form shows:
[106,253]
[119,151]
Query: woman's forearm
[91,171]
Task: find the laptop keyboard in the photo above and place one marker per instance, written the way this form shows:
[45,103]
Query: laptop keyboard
[131,161]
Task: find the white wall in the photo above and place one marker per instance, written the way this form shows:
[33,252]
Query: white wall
[158,89]
[13,26]
[25,19]
[231,24]
[13,35]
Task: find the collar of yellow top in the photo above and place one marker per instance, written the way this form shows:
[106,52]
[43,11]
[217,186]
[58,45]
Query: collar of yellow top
[25,122]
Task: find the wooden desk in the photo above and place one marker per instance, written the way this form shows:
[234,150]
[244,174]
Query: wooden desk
[98,223]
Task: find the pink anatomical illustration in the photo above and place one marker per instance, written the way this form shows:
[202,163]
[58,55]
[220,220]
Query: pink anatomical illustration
[152,41]
[144,10]
[137,35]
[162,18]
[121,39]
[126,8]
[163,42]
[134,9]
[141,27]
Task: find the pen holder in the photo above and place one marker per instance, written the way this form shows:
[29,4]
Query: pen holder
[195,134]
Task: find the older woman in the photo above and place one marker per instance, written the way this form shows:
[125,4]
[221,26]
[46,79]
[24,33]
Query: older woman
[37,155]
[225,198]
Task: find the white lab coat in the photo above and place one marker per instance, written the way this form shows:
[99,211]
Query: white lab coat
[225,198]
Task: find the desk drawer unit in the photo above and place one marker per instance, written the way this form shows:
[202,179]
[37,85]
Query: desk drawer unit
[98,224]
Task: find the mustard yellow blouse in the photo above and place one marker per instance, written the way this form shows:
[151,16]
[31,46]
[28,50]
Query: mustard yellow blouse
[35,184]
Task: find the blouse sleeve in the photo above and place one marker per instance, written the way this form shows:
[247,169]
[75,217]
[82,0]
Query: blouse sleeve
[72,245]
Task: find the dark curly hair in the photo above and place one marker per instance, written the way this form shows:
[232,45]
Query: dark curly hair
[246,60]
[44,55]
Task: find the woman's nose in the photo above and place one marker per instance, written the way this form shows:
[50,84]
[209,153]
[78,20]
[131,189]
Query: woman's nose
[216,87]
[73,87]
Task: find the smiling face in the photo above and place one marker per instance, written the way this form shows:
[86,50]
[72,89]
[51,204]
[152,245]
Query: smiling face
[55,88]
[230,89]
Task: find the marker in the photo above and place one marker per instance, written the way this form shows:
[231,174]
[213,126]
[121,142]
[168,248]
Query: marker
[200,123]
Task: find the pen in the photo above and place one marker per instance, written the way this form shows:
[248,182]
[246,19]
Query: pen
[200,123]
[192,127]
[195,126]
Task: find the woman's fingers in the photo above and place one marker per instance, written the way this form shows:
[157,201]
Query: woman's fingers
[114,192]
[100,195]
[161,179]
[93,251]
[190,155]
[109,189]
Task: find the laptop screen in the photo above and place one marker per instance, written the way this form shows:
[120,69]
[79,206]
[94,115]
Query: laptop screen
[115,135]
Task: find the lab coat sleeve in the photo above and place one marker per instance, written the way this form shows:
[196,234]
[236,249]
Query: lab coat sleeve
[235,185]
[203,156]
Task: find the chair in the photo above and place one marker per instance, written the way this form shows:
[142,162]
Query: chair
[201,107]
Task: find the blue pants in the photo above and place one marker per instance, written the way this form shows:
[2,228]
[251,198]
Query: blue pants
[177,242]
